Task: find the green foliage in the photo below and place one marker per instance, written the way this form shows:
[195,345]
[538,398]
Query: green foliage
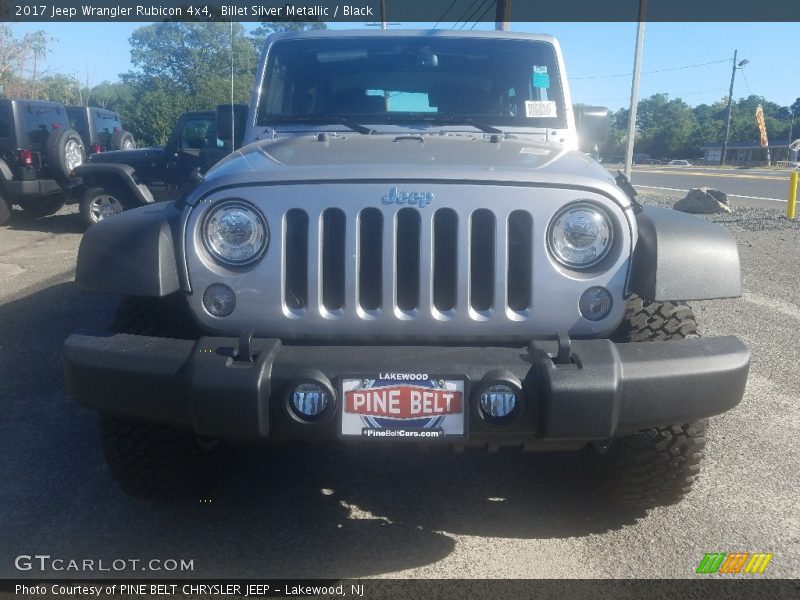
[179,67]
[259,35]
[671,129]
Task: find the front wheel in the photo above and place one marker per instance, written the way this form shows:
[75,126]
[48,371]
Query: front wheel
[654,467]
[98,203]
[657,466]
[157,462]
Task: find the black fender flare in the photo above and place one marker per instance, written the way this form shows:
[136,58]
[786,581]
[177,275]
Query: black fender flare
[102,173]
[135,254]
[681,257]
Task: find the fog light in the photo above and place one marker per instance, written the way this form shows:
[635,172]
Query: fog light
[595,303]
[219,300]
[309,400]
[498,401]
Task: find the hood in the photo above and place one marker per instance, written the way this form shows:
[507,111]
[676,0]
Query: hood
[127,156]
[380,157]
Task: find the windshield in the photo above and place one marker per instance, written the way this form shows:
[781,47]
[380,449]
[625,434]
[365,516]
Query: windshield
[412,80]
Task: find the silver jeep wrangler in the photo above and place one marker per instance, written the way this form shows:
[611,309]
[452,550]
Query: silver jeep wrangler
[409,247]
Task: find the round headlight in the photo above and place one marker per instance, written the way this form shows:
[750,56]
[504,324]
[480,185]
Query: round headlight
[235,233]
[580,235]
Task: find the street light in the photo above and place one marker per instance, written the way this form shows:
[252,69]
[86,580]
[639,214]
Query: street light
[736,65]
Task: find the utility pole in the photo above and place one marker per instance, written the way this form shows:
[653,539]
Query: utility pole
[502,14]
[637,67]
[730,109]
[383,14]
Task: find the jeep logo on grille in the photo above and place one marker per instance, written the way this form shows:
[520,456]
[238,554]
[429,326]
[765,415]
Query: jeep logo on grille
[421,199]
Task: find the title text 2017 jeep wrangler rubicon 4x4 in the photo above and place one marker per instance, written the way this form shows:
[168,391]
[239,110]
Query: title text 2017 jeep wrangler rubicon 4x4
[38,156]
[410,247]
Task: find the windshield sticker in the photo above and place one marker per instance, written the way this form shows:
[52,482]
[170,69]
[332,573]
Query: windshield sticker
[540,77]
[536,151]
[540,108]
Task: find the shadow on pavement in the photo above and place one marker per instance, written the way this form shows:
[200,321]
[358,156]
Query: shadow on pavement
[291,511]
[61,222]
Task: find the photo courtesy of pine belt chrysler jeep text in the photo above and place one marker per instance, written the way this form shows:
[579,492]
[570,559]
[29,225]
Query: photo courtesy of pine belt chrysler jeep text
[409,245]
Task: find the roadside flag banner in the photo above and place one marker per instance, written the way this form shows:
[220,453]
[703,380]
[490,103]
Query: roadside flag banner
[762,126]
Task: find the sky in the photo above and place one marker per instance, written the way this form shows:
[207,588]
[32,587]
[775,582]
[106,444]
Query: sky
[599,57]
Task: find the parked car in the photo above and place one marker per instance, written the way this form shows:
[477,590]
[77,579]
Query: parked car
[39,154]
[680,163]
[101,129]
[362,271]
[118,180]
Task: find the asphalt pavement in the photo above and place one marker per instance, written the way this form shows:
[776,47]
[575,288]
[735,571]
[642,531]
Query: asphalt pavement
[766,188]
[334,511]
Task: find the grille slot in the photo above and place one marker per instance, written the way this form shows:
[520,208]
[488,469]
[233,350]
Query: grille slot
[519,237]
[445,259]
[333,257]
[407,259]
[482,260]
[370,258]
[295,252]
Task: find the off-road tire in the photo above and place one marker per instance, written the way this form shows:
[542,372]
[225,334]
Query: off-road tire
[122,140]
[91,213]
[159,317]
[158,462]
[646,321]
[5,211]
[43,206]
[151,460]
[656,466]
[60,145]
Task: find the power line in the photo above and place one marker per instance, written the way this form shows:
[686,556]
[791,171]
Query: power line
[474,13]
[463,16]
[452,4]
[713,62]
[749,91]
[483,15]
[677,95]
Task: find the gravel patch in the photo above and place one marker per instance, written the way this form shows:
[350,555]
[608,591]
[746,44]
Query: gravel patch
[742,218]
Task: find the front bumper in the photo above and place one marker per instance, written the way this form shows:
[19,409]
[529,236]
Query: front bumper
[603,390]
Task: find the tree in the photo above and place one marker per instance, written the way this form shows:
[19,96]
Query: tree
[20,62]
[184,66]
[196,57]
[266,28]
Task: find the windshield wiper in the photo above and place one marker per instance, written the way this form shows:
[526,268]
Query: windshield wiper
[327,120]
[455,120]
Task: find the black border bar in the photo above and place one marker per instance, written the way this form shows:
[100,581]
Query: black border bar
[443,12]
[703,586]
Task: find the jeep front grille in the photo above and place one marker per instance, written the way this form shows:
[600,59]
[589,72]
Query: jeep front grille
[408,263]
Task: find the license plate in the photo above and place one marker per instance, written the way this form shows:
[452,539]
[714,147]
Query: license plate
[395,406]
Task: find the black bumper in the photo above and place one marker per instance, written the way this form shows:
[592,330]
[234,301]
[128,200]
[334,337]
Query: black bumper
[605,389]
[23,188]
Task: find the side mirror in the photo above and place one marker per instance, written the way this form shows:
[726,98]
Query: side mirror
[592,123]
[231,123]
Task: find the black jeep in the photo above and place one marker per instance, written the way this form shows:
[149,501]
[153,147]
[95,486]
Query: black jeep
[116,181]
[39,154]
[100,129]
